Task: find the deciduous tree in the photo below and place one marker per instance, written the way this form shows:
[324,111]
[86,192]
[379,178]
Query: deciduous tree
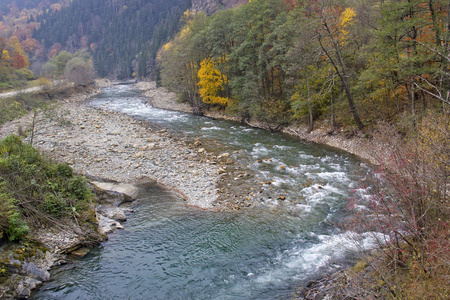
[211,83]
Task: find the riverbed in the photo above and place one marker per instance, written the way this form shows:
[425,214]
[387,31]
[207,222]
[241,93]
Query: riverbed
[287,197]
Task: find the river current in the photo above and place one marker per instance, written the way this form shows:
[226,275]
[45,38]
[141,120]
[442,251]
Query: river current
[170,251]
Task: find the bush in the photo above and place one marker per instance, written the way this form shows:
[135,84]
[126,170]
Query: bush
[410,206]
[17,228]
[64,170]
[25,74]
[77,187]
[34,187]
[55,205]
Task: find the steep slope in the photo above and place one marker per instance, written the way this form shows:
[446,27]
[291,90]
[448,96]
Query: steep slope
[123,36]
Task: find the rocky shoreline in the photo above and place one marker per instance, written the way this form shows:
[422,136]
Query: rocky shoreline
[116,147]
[119,150]
[354,143]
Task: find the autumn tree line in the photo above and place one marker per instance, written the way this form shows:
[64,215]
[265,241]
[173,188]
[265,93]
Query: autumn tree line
[380,68]
[120,37]
[282,61]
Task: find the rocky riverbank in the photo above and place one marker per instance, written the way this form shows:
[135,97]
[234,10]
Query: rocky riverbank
[114,148]
[109,145]
[355,143]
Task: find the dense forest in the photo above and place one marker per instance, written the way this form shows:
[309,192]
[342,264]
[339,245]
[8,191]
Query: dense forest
[282,60]
[16,6]
[123,36]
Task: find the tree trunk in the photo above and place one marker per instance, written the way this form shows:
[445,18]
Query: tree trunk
[339,67]
[310,129]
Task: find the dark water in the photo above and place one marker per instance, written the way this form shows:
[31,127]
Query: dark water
[170,251]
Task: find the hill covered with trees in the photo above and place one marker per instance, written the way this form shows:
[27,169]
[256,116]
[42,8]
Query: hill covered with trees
[123,36]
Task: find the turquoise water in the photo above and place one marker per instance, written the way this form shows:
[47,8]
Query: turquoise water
[170,251]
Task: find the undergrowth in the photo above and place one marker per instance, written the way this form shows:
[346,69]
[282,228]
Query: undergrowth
[410,210]
[36,191]
[17,106]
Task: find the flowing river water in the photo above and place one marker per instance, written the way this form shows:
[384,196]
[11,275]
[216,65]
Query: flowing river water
[170,251]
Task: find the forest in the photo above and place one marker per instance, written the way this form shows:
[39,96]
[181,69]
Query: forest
[123,36]
[378,70]
[283,60]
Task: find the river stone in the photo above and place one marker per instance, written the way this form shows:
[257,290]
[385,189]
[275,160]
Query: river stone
[25,286]
[114,213]
[226,154]
[107,225]
[81,252]
[34,271]
[124,188]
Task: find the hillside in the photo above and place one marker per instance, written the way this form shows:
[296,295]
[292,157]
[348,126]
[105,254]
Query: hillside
[211,6]
[123,37]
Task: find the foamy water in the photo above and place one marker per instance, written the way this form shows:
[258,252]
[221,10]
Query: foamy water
[169,251]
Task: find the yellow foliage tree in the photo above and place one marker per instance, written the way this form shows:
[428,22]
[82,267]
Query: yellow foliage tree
[5,58]
[345,20]
[19,57]
[211,83]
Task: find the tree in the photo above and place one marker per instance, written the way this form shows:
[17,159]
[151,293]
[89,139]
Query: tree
[79,69]
[332,35]
[19,59]
[5,58]
[29,45]
[211,83]
[180,60]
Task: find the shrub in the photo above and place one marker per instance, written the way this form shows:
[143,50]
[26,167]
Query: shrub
[24,74]
[410,206]
[64,170]
[17,228]
[77,187]
[54,205]
[37,188]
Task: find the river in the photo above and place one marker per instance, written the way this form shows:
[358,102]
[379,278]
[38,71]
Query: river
[170,251]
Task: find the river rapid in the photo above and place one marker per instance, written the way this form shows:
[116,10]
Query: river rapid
[171,251]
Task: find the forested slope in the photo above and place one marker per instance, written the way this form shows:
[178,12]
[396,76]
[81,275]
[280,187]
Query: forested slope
[282,60]
[123,36]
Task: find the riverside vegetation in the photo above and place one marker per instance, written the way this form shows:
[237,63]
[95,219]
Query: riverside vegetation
[37,193]
[371,71]
[38,196]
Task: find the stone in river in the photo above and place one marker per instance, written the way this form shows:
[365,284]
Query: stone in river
[81,252]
